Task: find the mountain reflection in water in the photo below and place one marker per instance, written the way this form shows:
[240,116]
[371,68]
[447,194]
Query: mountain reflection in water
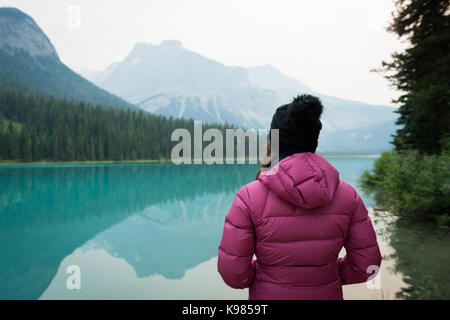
[151,231]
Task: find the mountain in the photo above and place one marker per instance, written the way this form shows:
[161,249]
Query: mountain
[28,61]
[270,78]
[170,80]
[339,114]
[369,139]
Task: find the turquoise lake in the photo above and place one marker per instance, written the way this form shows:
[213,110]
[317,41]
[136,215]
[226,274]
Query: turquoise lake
[151,231]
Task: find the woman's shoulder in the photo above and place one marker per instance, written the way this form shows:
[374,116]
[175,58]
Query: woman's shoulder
[253,188]
[254,194]
[346,187]
[347,194]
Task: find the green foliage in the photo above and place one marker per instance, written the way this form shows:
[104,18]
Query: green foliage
[49,76]
[422,72]
[411,183]
[25,145]
[443,220]
[35,128]
[414,178]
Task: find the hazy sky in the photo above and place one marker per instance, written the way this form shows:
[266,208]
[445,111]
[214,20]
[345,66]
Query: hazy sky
[329,45]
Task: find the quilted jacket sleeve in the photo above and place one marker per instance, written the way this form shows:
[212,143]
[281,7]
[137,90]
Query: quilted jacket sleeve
[237,247]
[361,247]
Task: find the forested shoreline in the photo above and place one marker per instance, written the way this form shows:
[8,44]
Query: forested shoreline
[414,178]
[40,128]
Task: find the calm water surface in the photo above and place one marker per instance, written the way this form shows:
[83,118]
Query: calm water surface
[151,231]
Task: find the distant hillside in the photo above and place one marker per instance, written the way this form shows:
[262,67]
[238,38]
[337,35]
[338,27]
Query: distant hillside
[34,128]
[28,61]
[370,139]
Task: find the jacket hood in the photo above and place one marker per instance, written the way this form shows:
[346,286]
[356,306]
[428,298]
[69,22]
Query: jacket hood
[304,179]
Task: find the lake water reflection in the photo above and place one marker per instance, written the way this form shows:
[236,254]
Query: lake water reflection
[137,231]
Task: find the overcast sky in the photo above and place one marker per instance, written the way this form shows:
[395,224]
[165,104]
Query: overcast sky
[329,45]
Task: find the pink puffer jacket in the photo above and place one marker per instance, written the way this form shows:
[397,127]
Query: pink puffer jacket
[296,218]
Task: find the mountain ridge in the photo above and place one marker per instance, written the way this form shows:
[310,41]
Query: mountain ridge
[29,62]
[171,80]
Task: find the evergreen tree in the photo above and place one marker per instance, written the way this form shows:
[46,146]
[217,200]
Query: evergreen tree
[2,136]
[55,155]
[91,149]
[422,72]
[34,145]
[100,150]
[69,149]
[14,151]
[25,145]
[6,153]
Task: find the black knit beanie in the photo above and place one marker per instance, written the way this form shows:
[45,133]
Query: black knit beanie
[299,125]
